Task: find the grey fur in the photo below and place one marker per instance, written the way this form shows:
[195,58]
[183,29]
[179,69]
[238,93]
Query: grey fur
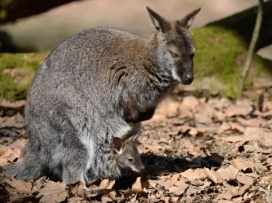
[97,85]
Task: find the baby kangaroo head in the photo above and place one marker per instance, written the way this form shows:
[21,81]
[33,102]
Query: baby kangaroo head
[175,46]
[127,154]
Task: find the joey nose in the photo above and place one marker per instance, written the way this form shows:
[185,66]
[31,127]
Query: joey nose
[142,168]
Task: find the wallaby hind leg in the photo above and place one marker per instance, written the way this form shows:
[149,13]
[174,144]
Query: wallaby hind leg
[29,169]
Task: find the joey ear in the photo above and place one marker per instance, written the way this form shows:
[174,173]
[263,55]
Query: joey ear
[133,139]
[117,145]
[158,21]
[189,18]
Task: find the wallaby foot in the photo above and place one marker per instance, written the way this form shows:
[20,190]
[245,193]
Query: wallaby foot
[29,169]
[10,170]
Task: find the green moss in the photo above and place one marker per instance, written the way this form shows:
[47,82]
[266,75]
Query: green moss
[217,55]
[16,74]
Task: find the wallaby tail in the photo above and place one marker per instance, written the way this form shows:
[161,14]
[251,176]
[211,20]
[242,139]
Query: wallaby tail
[28,169]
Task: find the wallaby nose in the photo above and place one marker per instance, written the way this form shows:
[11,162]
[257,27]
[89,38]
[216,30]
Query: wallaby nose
[189,78]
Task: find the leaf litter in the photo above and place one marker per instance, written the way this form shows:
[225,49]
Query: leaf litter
[194,150]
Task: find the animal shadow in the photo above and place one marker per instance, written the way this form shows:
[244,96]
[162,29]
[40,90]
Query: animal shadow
[157,165]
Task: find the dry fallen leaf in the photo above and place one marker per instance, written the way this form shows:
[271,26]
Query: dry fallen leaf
[224,127]
[225,196]
[178,190]
[243,189]
[233,191]
[175,177]
[53,192]
[21,186]
[137,186]
[191,149]
[227,174]
[203,119]
[105,199]
[252,133]
[191,174]
[8,155]
[233,139]
[156,149]
[237,110]
[197,182]
[179,187]
[237,127]
[77,189]
[153,183]
[112,195]
[211,174]
[190,102]
[192,190]
[244,179]
[253,122]
[166,199]
[241,164]
[165,183]
[106,184]
[225,201]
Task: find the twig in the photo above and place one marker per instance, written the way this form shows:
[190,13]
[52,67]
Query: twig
[251,49]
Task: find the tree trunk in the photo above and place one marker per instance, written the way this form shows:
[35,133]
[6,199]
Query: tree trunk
[243,23]
[13,10]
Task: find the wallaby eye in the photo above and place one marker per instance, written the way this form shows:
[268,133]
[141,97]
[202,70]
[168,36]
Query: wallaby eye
[192,55]
[173,54]
[130,160]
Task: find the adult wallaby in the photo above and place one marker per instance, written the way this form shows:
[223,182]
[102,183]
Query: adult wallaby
[97,85]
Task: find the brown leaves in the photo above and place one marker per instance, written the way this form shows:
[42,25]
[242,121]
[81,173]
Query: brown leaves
[11,120]
[53,192]
[179,187]
[48,192]
[137,186]
[240,110]
[241,164]
[213,150]
[21,186]
[227,174]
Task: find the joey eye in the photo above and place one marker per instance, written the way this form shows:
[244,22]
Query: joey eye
[173,54]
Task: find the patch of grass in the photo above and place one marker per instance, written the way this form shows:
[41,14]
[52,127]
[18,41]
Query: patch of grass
[16,74]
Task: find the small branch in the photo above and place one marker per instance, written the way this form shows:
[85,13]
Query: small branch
[251,49]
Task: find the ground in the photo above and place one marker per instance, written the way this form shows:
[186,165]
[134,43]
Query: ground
[194,150]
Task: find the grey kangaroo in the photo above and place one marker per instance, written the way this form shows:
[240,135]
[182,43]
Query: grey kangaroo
[95,86]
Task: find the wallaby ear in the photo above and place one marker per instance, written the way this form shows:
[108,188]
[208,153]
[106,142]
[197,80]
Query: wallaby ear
[158,21]
[189,18]
[117,145]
